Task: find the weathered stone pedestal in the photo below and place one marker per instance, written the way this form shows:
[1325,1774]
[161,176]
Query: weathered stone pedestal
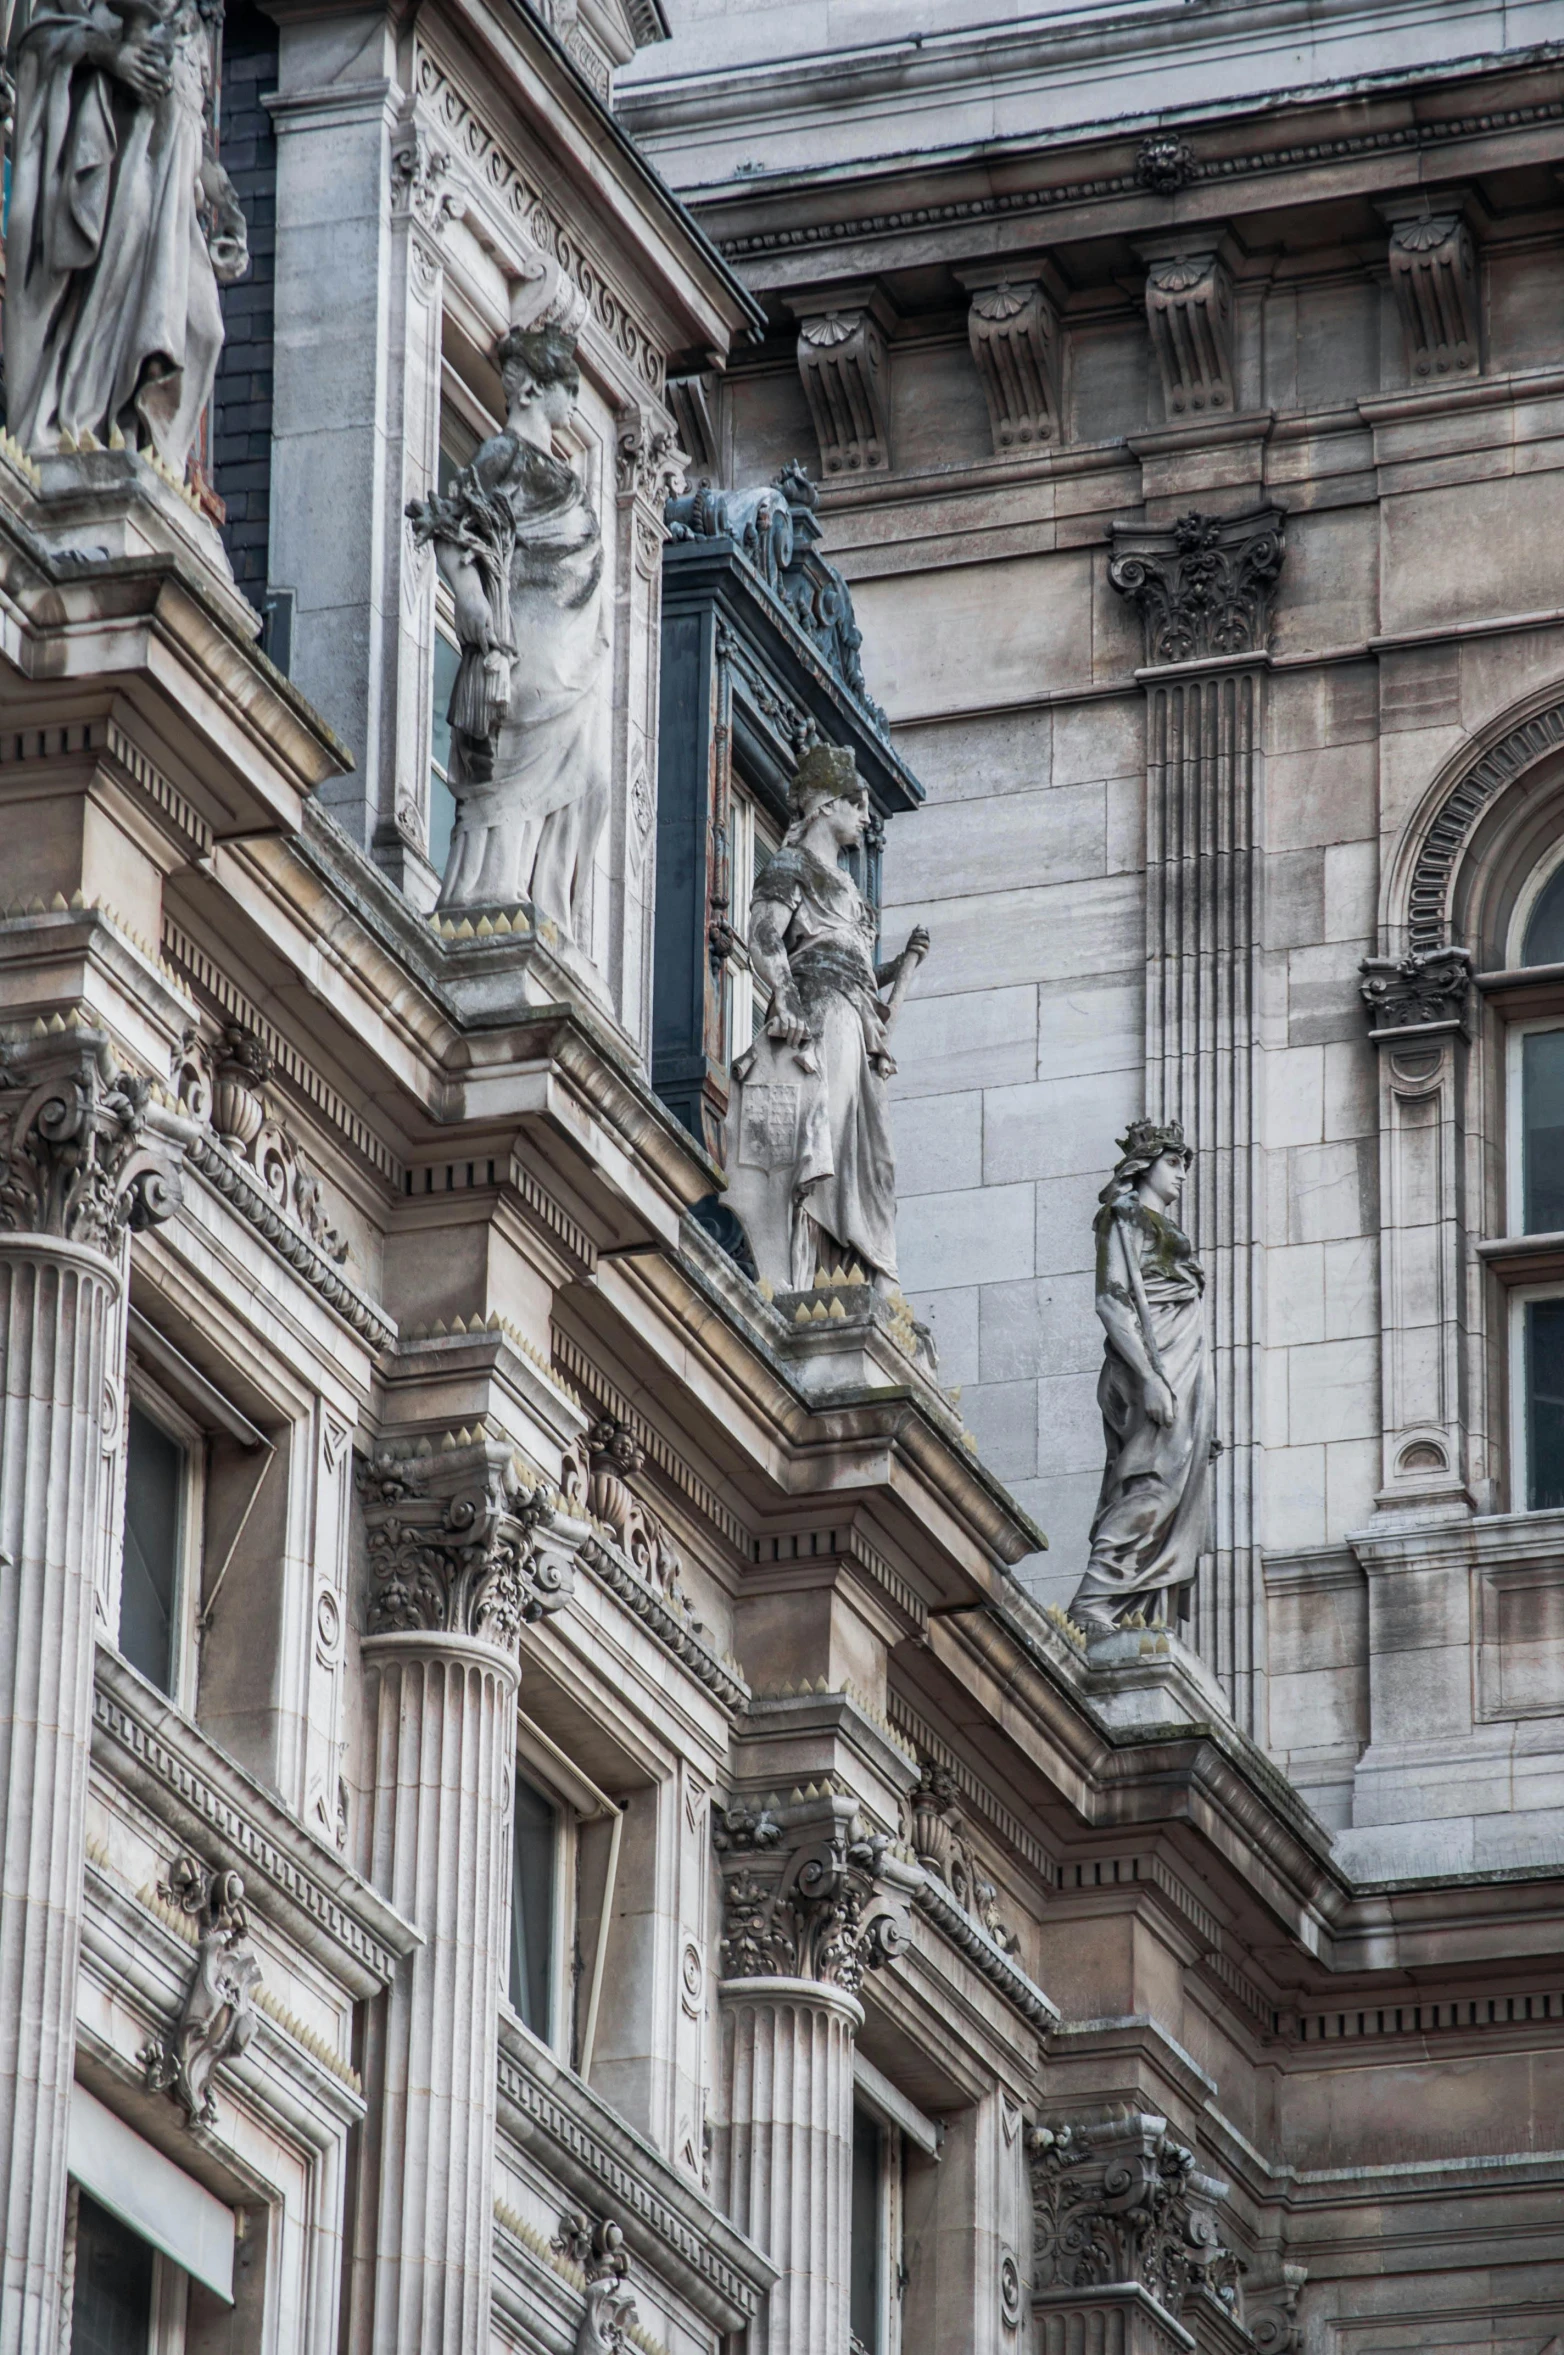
[789,2060]
[1147,1676]
[79,1162]
[456,1565]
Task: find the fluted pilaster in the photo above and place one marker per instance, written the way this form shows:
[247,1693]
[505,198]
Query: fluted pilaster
[443,1714]
[789,2056]
[83,1155]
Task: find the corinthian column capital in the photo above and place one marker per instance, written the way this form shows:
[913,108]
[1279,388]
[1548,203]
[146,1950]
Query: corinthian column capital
[1203,585]
[461,1541]
[808,1893]
[85,1149]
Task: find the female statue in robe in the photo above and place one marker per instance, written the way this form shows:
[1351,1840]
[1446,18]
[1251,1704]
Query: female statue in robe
[811,1173]
[122,224]
[518,543]
[1155,1390]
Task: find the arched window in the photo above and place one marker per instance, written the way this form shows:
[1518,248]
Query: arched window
[1535,1065]
[1543,939]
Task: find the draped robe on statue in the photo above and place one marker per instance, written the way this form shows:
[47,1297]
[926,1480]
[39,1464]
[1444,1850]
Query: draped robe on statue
[1150,1524]
[531,806]
[810,1138]
[112,317]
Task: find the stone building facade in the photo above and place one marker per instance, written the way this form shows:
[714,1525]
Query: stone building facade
[548,1800]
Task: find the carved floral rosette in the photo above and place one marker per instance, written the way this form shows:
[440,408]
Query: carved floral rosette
[809,1893]
[1119,2201]
[461,1542]
[86,1150]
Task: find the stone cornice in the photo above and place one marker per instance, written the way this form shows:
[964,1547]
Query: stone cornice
[141,1741]
[936,1903]
[666,2220]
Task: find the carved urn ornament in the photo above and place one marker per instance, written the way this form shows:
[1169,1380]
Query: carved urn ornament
[1156,1391]
[122,226]
[218,2016]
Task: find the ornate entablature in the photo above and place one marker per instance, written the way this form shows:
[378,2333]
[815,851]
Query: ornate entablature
[1204,584]
[760,659]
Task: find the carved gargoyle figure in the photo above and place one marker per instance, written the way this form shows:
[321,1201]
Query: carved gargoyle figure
[218,2016]
[599,2249]
[122,226]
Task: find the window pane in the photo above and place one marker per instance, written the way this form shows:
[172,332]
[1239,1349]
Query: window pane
[1544,1404]
[1542,1053]
[442,801]
[112,2314]
[1544,943]
[865,2267]
[532,1908]
[149,1588]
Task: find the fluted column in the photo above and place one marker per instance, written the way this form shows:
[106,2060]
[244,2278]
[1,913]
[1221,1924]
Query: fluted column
[810,1903]
[788,2048]
[460,1554]
[84,1155]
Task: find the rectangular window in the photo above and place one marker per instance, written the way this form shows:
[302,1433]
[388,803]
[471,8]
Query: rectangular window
[112,2307]
[1543,1359]
[157,1507]
[1542,1131]
[867,2268]
[534,1880]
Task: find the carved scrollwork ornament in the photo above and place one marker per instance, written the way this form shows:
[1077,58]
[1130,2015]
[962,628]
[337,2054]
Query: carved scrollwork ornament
[86,1150]
[218,2016]
[221,1089]
[807,1900]
[460,1543]
[1118,2201]
[1203,587]
[942,1845]
[598,2247]
[1426,989]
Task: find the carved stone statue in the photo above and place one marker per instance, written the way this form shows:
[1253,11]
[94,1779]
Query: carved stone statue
[518,543]
[811,1174]
[1155,1390]
[122,225]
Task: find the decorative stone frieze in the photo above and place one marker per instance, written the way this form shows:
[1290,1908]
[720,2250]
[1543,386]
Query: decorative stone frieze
[598,2247]
[1433,274]
[841,358]
[1013,330]
[457,1542]
[1428,989]
[1204,584]
[218,2016]
[85,1149]
[1189,309]
[1166,163]
[1118,2202]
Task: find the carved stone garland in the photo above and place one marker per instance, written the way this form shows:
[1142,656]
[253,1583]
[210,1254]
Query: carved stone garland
[218,2016]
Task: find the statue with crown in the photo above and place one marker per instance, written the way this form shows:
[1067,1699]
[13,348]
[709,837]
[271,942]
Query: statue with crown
[811,1173]
[1155,1392]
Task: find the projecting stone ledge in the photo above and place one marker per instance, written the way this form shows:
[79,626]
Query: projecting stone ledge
[1139,1676]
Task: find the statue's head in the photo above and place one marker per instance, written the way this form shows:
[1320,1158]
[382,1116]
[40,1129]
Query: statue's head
[538,369]
[827,779]
[1150,1145]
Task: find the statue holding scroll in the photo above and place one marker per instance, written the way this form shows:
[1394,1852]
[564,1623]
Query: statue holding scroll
[1155,1390]
[811,1173]
[518,544]
[122,225]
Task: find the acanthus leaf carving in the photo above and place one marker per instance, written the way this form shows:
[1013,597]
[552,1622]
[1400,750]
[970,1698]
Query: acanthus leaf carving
[649,463]
[460,1543]
[810,1892]
[221,1089]
[218,2016]
[1119,2201]
[1204,586]
[1426,989]
[86,1150]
